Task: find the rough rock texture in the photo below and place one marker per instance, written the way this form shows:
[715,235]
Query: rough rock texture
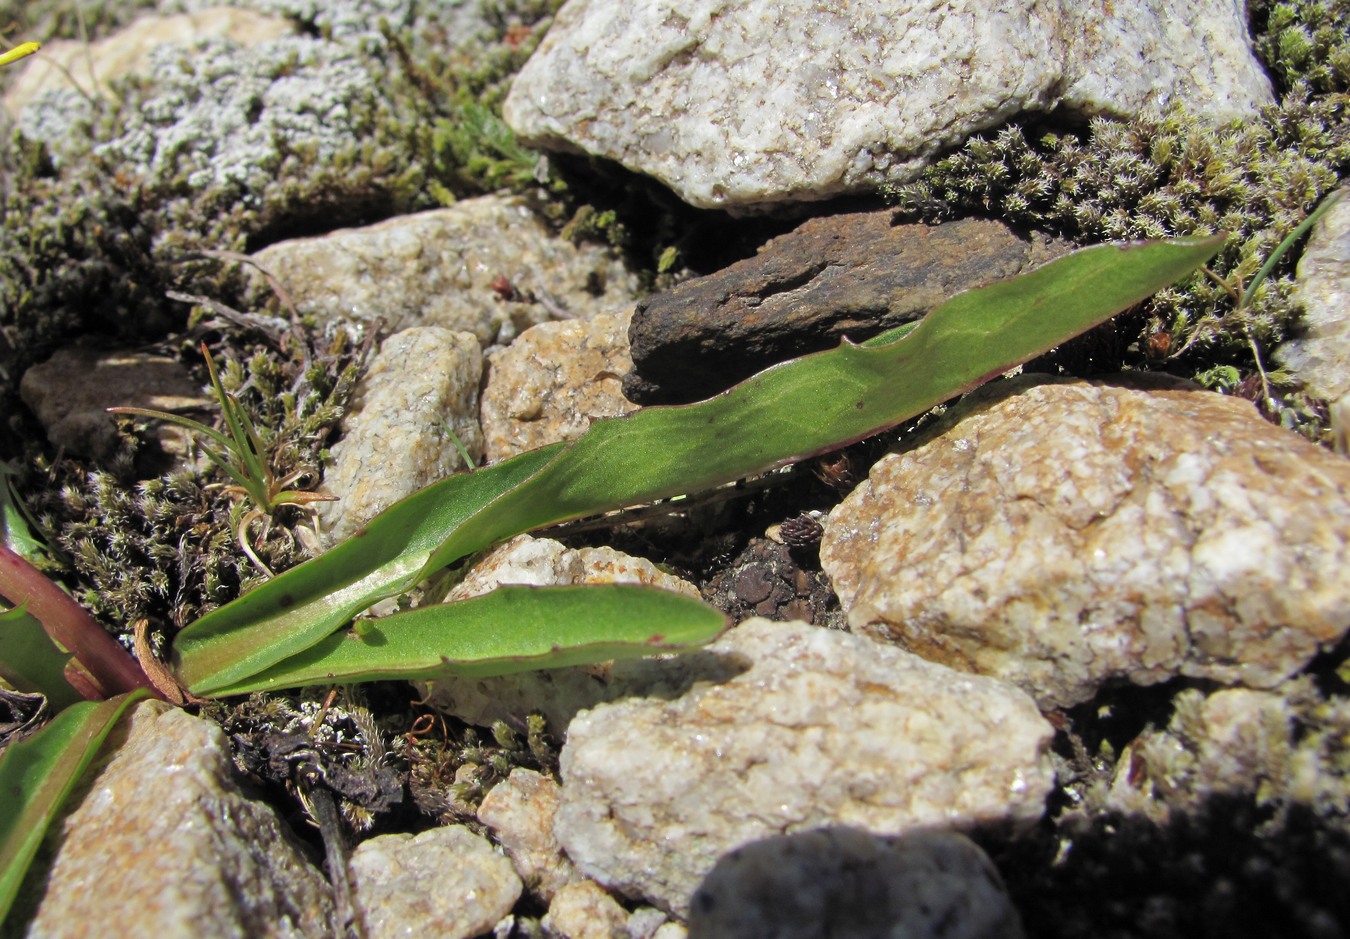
[557,693]
[445,882]
[855,275]
[71,392]
[395,441]
[164,844]
[1320,357]
[824,728]
[762,102]
[520,811]
[847,884]
[89,67]
[553,381]
[438,268]
[584,910]
[1064,533]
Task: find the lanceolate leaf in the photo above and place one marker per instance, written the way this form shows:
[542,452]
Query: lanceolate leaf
[512,629]
[793,410]
[36,776]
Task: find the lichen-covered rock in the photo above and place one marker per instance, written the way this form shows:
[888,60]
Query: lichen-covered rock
[520,811]
[472,267]
[822,729]
[847,884]
[553,381]
[164,844]
[71,392]
[778,100]
[557,693]
[849,275]
[421,386]
[1060,534]
[1320,357]
[444,882]
[90,67]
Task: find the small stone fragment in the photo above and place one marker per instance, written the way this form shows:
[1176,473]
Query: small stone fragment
[71,392]
[437,268]
[847,884]
[583,910]
[421,387]
[164,844]
[553,381]
[850,275]
[446,882]
[1058,534]
[758,103]
[1320,355]
[823,729]
[520,812]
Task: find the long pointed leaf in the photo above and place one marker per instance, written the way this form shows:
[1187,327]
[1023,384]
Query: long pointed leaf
[38,774]
[793,410]
[512,629]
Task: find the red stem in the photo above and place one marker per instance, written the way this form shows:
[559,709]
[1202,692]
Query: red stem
[70,625]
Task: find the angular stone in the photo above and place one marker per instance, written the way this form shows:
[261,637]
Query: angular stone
[764,102]
[90,67]
[584,910]
[1320,355]
[852,275]
[520,811]
[847,884]
[553,381]
[824,728]
[421,386]
[164,844]
[71,392]
[1060,534]
[439,268]
[444,882]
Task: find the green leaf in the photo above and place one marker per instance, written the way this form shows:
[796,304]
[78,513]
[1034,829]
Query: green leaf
[31,662]
[38,774]
[785,413]
[14,523]
[512,629]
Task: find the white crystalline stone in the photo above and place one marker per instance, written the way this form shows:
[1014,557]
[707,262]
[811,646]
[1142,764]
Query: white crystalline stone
[822,729]
[1100,531]
[1320,355]
[776,100]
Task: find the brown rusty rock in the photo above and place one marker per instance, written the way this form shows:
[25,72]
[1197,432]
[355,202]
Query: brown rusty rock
[853,275]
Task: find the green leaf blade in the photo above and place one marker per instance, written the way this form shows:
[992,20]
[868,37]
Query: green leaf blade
[790,411]
[37,776]
[512,629]
[31,662]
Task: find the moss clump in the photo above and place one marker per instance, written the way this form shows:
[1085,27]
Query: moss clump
[165,549]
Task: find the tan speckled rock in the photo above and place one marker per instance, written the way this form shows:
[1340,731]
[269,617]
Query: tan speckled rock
[520,811]
[395,442]
[164,844]
[584,910]
[438,268]
[446,882]
[71,392]
[1066,533]
[558,693]
[552,381]
[824,728]
[1320,354]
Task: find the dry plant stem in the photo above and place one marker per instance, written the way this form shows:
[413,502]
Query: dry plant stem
[70,625]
